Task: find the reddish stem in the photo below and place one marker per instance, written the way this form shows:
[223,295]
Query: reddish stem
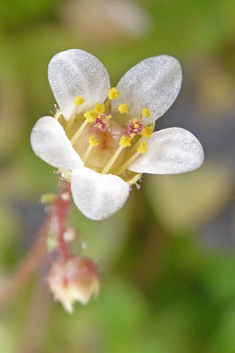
[59,214]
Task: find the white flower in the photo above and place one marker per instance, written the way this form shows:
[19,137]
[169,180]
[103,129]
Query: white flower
[102,139]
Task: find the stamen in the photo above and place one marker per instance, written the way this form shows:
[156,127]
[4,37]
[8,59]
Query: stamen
[123,108]
[145,113]
[78,133]
[77,101]
[113,93]
[90,116]
[142,148]
[92,143]
[124,142]
[99,108]
[147,131]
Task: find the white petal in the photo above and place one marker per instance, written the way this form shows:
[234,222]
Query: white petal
[49,142]
[73,73]
[170,151]
[154,83]
[97,195]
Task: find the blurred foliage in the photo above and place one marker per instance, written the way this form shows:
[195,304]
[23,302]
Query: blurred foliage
[164,287]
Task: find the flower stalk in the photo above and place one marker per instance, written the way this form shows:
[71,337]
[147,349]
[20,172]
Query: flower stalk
[55,223]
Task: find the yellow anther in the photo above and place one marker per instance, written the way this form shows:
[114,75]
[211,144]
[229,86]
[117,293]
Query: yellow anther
[90,115]
[99,108]
[146,113]
[113,93]
[142,148]
[147,131]
[78,101]
[93,142]
[123,108]
[125,141]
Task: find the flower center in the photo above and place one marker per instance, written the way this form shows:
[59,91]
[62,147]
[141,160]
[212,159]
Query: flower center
[103,143]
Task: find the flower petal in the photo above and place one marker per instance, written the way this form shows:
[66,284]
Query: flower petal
[49,142]
[154,83]
[97,195]
[170,151]
[73,73]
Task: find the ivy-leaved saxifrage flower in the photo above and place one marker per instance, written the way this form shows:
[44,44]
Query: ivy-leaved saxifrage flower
[101,138]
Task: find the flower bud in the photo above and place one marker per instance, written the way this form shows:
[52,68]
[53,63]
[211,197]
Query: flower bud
[74,279]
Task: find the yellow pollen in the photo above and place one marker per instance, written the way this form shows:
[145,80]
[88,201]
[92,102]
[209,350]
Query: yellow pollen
[142,148]
[146,113]
[99,108]
[90,115]
[125,141]
[93,142]
[113,93]
[123,108]
[78,101]
[147,131]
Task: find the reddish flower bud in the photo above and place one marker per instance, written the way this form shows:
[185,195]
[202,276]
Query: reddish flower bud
[74,279]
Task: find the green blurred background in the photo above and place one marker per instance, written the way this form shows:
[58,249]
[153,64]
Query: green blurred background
[167,259]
